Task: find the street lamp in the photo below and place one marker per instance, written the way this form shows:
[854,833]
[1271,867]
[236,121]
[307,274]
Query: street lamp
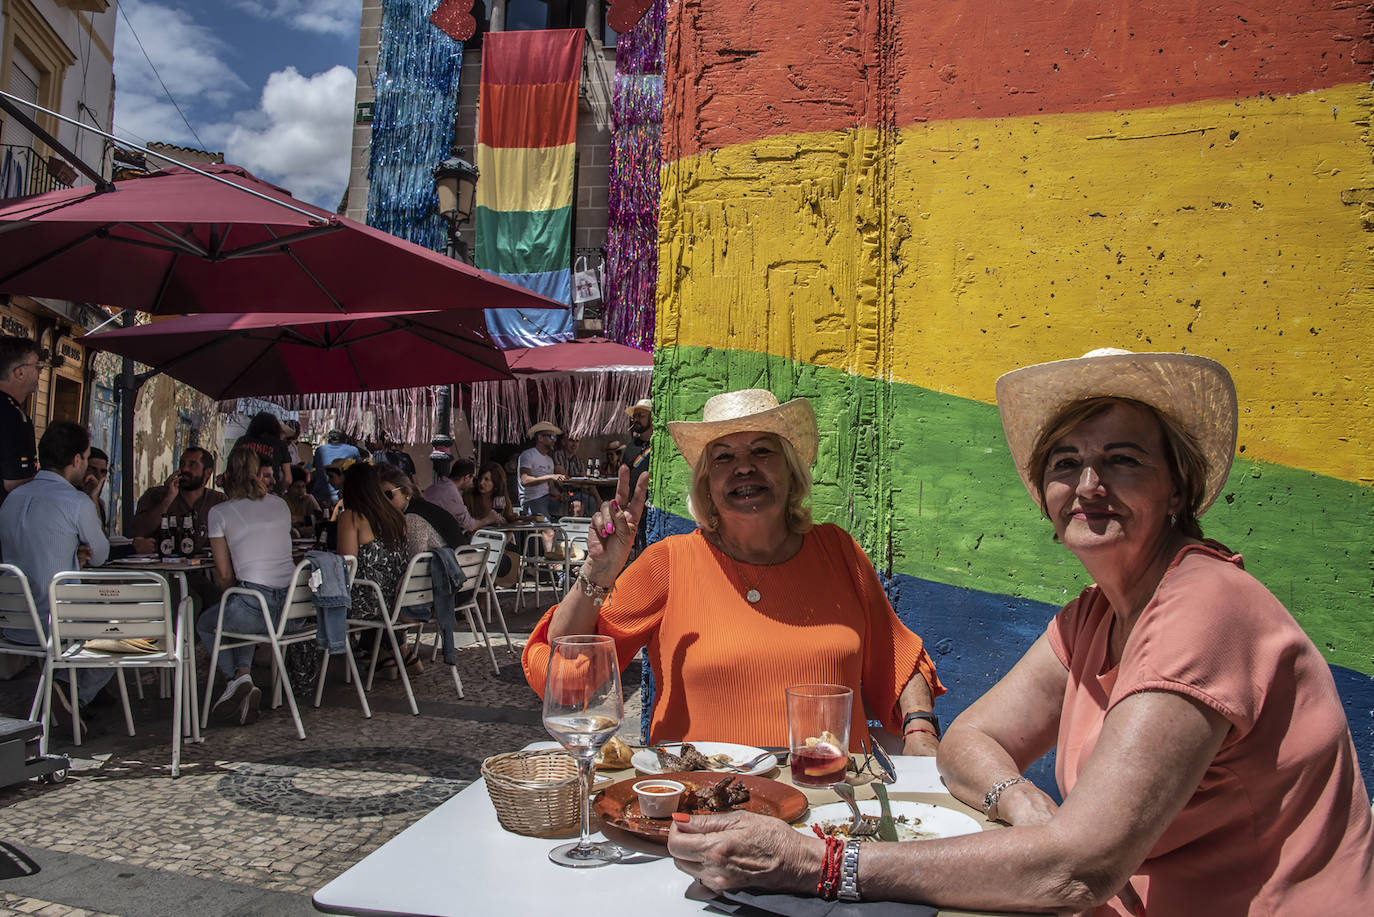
[455,181]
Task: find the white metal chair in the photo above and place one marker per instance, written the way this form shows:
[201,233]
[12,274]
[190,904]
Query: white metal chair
[495,543]
[297,624]
[575,531]
[17,612]
[473,562]
[414,589]
[106,605]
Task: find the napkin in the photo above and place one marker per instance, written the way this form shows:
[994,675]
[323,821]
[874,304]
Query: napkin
[805,906]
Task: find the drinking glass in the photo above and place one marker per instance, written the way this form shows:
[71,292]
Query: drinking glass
[818,733]
[582,710]
[499,503]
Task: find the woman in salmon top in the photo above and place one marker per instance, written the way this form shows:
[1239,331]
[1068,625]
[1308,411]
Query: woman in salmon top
[1204,758]
[753,601]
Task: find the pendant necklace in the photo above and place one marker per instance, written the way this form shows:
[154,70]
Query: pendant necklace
[752,595]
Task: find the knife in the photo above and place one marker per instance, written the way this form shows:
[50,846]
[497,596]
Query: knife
[887,828]
[885,762]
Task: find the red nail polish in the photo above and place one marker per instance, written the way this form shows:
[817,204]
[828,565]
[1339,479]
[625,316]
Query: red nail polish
[615,506]
[681,816]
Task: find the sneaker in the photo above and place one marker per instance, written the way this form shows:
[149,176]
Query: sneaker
[249,711]
[229,707]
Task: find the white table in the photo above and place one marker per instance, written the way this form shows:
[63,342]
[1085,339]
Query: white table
[459,861]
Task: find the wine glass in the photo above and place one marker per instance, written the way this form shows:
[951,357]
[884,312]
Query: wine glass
[582,710]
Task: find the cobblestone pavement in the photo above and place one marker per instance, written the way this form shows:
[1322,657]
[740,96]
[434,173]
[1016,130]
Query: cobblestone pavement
[258,819]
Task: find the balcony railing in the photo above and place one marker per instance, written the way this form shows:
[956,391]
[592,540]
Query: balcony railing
[24,171]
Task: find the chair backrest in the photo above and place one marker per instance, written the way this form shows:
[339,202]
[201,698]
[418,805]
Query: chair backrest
[417,585]
[99,604]
[473,561]
[17,610]
[496,546]
[300,602]
[575,529]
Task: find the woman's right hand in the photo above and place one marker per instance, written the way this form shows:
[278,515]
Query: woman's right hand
[612,532]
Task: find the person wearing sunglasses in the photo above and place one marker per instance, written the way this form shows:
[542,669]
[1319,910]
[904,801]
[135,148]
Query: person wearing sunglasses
[20,360]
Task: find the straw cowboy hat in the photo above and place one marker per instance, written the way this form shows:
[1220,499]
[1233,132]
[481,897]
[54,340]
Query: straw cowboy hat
[1197,393]
[642,404]
[615,445]
[753,409]
[339,464]
[543,427]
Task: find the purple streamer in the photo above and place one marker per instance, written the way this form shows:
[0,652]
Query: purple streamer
[633,193]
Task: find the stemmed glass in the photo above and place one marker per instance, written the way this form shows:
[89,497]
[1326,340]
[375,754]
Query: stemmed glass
[582,710]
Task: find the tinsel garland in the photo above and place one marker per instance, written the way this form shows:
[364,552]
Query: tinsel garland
[586,403]
[418,68]
[632,200]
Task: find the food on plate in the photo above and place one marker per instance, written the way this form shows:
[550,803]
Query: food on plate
[614,755]
[721,796]
[908,828]
[690,759]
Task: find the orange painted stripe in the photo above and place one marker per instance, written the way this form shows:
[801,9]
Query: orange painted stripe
[528,116]
[771,67]
[530,58]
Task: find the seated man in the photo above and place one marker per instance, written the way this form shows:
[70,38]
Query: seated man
[447,493]
[97,472]
[334,450]
[50,525]
[186,493]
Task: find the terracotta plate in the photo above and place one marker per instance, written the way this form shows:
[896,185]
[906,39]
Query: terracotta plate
[619,806]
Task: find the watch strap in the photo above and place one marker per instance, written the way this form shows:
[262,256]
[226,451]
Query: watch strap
[849,872]
[925,715]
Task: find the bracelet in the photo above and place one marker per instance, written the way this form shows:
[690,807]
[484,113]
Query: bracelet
[592,590]
[829,884]
[849,872]
[995,794]
[920,729]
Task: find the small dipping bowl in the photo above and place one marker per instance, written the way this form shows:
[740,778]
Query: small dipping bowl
[658,798]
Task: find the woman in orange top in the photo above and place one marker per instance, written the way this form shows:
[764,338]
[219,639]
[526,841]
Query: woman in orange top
[755,600]
[1205,759]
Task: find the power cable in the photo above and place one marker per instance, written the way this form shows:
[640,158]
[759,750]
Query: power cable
[199,142]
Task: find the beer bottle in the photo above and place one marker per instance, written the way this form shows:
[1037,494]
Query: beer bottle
[166,544]
[188,536]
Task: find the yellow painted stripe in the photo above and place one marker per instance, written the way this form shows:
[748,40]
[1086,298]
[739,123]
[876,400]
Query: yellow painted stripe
[525,178]
[1235,229]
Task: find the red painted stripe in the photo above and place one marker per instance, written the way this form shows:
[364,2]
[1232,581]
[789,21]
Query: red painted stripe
[744,71]
[530,58]
[528,116]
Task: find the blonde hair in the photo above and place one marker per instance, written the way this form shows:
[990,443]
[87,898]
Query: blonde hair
[241,480]
[703,508]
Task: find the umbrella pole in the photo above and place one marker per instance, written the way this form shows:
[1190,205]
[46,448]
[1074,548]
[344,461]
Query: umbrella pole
[128,393]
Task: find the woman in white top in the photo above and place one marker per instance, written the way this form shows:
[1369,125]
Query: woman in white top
[250,537]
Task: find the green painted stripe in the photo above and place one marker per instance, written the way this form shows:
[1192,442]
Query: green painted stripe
[953,511]
[523,241]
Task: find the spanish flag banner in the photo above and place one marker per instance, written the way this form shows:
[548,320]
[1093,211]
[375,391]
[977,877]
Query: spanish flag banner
[526,135]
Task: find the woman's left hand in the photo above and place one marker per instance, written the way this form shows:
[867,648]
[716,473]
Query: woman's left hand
[746,850]
[921,743]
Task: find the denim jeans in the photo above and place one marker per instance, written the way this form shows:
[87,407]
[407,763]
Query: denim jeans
[88,681]
[240,614]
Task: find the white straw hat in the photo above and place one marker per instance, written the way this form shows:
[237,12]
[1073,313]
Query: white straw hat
[544,427]
[1197,393]
[752,409]
[643,404]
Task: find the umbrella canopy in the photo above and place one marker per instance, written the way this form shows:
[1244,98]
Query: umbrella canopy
[232,356]
[582,355]
[176,242]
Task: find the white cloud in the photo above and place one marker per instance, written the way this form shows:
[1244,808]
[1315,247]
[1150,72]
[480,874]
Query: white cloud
[300,135]
[324,17]
[190,60]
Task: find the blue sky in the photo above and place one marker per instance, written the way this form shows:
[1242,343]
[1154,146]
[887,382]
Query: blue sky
[268,82]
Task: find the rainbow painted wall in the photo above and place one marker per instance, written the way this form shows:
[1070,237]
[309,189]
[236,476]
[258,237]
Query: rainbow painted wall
[883,205]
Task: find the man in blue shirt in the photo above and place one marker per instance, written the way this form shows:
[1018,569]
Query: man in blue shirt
[50,525]
[327,492]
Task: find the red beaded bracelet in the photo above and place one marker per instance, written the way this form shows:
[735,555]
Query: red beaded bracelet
[829,885]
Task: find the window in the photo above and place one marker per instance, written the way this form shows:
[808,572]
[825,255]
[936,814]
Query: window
[544,14]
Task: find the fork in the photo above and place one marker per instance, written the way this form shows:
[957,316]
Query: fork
[860,826]
[752,763]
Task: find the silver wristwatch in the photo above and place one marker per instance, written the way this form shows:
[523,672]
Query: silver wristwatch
[849,872]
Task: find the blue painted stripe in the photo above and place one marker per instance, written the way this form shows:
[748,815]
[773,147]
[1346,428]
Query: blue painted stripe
[534,327]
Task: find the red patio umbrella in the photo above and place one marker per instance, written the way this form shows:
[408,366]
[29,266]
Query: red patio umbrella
[584,354]
[177,242]
[233,356]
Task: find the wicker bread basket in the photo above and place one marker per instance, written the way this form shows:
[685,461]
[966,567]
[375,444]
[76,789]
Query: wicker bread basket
[535,792]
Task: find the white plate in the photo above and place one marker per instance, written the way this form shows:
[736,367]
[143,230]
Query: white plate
[934,821]
[646,762]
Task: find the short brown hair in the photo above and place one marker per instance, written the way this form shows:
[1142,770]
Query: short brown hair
[1187,465]
[16,350]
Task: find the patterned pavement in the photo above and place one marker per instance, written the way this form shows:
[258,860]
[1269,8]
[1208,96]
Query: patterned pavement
[258,819]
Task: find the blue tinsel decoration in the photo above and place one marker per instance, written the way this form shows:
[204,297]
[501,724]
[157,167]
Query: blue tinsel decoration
[418,68]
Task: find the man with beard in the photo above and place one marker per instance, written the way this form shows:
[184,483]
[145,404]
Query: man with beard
[636,454]
[186,493]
